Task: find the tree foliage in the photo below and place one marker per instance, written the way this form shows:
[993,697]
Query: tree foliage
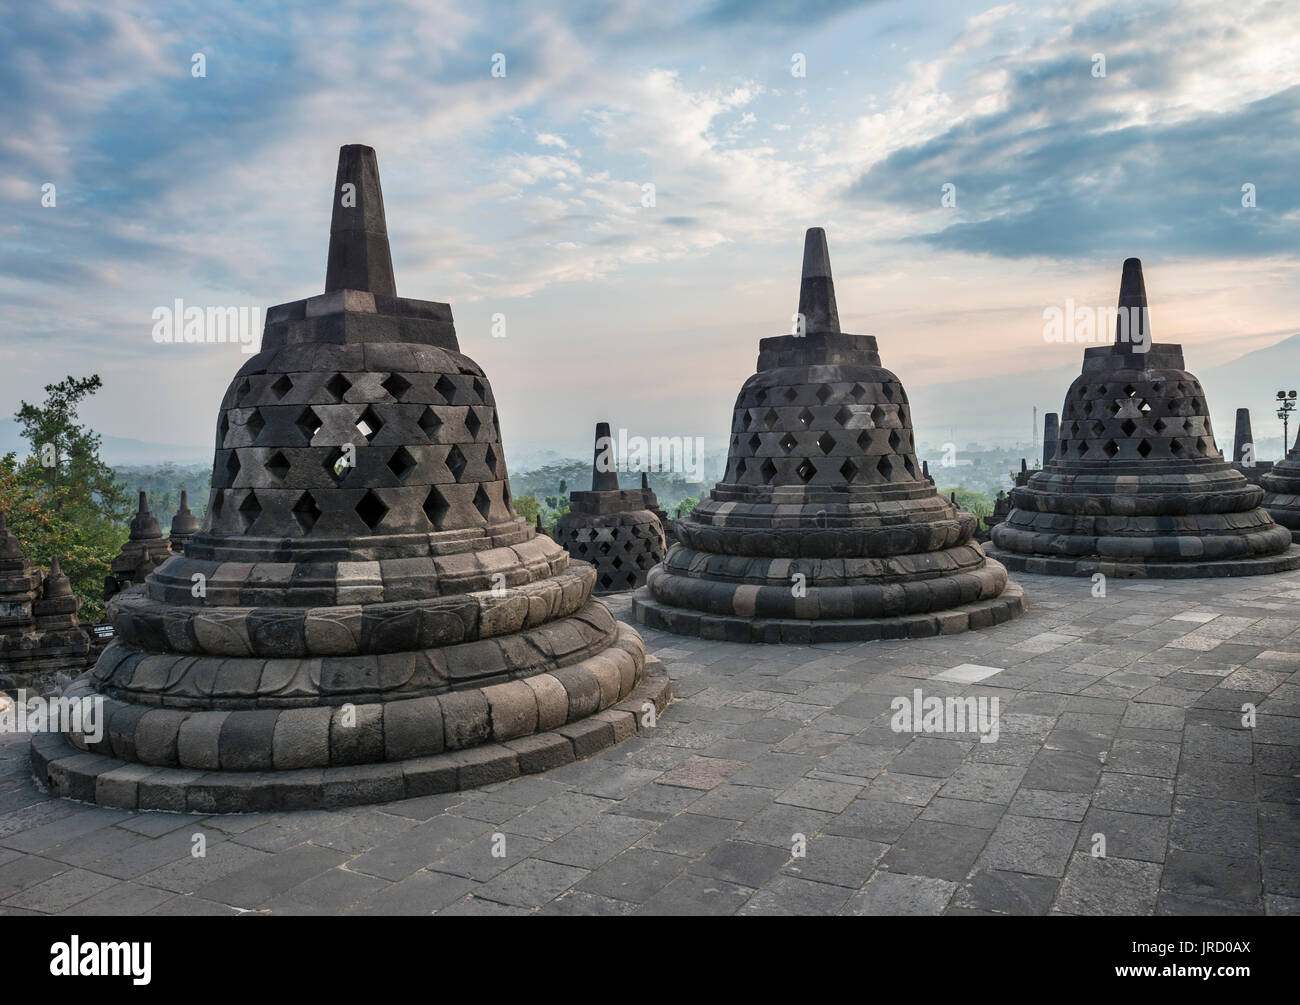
[62,499]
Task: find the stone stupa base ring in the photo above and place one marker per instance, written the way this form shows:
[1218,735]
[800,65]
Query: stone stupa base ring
[179,761]
[651,613]
[1145,568]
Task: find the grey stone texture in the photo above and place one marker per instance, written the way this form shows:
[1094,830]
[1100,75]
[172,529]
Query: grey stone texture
[40,636]
[613,529]
[1114,720]
[1137,487]
[824,527]
[1281,484]
[362,615]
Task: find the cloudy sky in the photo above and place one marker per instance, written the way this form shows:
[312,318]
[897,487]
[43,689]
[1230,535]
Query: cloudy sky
[522,194]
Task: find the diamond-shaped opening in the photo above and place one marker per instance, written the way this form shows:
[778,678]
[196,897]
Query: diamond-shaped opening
[606,580]
[627,545]
[306,512]
[490,456]
[480,389]
[338,386]
[430,423]
[864,439]
[1175,447]
[1187,425]
[282,386]
[755,442]
[1098,428]
[788,442]
[826,443]
[858,393]
[823,393]
[223,427]
[771,418]
[1082,447]
[1158,425]
[848,470]
[456,462]
[446,387]
[371,509]
[617,562]
[604,547]
[895,441]
[746,420]
[760,396]
[1129,427]
[1083,390]
[1203,446]
[902,415]
[735,441]
[843,416]
[473,423]
[232,467]
[482,502]
[218,504]
[336,463]
[369,424]
[805,417]
[250,509]
[805,470]
[1144,448]
[888,388]
[401,464]
[1196,405]
[1101,391]
[255,424]
[1115,406]
[245,386]
[436,507]
[885,468]
[1130,390]
[1156,386]
[396,385]
[740,469]
[1111,448]
[877,415]
[278,465]
[907,463]
[309,423]
[768,471]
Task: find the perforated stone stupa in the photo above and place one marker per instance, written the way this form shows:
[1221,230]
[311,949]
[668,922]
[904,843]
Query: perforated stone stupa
[362,616]
[824,527]
[1137,486]
[1281,486]
[611,527]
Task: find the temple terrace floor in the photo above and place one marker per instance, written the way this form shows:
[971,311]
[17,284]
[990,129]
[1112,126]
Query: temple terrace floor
[1119,720]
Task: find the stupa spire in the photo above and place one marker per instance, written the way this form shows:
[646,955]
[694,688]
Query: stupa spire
[817,288]
[1136,329]
[359,257]
[604,477]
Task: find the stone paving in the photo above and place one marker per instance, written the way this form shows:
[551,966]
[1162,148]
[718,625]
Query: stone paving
[1119,716]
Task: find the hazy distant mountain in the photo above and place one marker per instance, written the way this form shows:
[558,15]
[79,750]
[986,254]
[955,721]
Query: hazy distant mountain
[119,449]
[999,410]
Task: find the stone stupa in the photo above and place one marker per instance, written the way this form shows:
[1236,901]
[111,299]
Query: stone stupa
[1281,485]
[825,527]
[1137,486]
[611,528]
[184,525]
[145,549]
[362,616]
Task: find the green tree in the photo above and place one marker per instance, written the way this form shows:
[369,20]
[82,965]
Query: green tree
[976,503]
[63,499]
[528,507]
[685,507]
